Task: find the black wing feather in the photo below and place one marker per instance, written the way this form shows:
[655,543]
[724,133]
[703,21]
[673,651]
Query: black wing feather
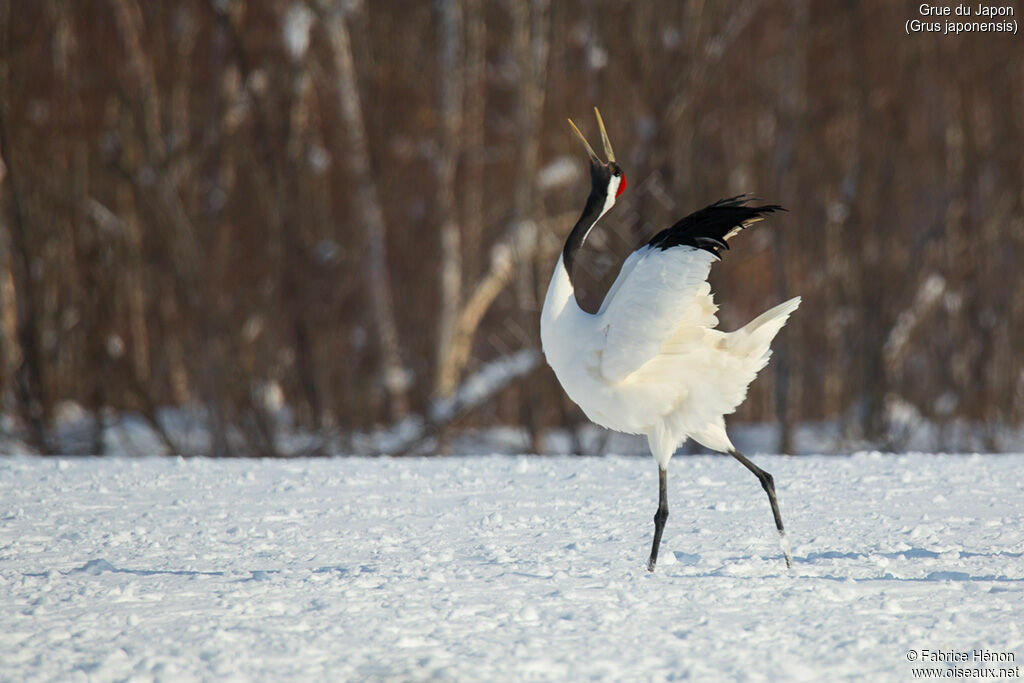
[706,229]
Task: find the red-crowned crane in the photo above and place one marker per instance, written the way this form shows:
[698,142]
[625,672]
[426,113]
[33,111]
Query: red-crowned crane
[650,361]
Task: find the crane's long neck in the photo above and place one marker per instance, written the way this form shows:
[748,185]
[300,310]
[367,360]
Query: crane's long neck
[597,204]
[562,290]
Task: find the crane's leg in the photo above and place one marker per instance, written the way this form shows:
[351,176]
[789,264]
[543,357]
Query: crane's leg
[660,516]
[768,484]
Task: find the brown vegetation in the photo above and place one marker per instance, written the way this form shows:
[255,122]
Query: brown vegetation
[199,207]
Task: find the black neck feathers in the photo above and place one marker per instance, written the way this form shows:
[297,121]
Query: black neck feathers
[591,212]
[600,176]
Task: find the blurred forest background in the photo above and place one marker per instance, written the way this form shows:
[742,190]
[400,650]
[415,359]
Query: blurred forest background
[347,212]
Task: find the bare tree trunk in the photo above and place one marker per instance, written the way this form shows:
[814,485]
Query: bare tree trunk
[305,347]
[530,45]
[872,287]
[95,299]
[450,110]
[791,113]
[8,318]
[285,227]
[93,296]
[182,244]
[368,211]
[134,280]
[30,376]
[475,78]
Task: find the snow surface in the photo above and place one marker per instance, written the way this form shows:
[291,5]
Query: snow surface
[503,568]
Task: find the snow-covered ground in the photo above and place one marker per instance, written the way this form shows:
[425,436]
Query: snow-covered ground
[504,568]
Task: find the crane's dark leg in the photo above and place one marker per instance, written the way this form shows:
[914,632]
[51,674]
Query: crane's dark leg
[659,517]
[768,484]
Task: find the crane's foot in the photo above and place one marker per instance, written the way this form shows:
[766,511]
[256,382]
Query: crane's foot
[768,484]
[784,544]
[659,526]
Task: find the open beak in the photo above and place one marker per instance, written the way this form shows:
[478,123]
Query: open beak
[590,150]
[604,139]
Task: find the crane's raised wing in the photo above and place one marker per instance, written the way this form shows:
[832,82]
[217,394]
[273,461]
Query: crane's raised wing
[646,304]
[659,283]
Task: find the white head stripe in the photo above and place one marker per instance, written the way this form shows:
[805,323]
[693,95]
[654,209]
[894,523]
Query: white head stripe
[613,189]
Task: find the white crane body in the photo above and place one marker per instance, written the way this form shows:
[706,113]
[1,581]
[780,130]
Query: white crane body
[688,375]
